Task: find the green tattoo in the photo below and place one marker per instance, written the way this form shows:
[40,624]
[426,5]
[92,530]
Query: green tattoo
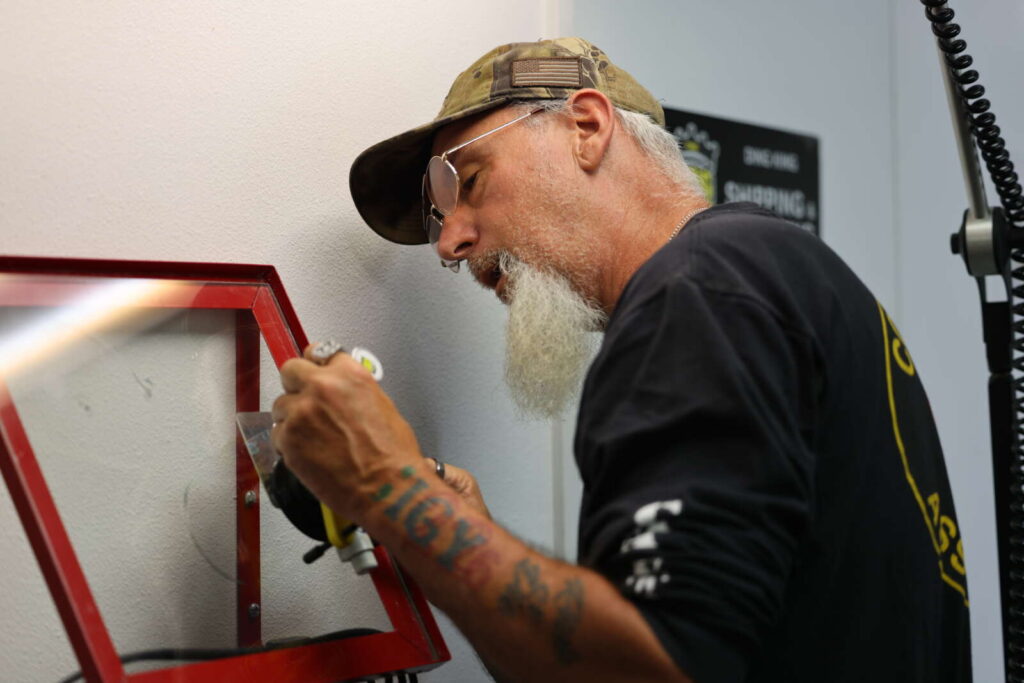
[460,544]
[403,500]
[427,527]
[407,471]
[383,492]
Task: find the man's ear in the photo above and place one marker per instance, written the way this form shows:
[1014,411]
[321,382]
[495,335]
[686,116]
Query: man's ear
[593,117]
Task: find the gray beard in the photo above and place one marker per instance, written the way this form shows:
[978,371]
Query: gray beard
[548,340]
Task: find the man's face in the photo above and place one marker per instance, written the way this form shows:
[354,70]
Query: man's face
[518,193]
[517,227]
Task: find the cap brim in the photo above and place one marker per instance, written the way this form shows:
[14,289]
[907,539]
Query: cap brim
[386,179]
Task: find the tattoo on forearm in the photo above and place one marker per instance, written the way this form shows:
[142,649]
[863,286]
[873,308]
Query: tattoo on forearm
[422,530]
[526,595]
[568,609]
[395,508]
[464,540]
[383,492]
[423,522]
[477,567]
[469,555]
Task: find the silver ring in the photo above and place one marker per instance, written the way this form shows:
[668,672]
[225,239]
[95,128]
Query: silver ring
[439,468]
[323,351]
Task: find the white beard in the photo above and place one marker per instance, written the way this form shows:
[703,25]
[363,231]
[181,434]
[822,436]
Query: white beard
[548,340]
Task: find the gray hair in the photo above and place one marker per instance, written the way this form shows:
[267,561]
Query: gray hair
[654,141]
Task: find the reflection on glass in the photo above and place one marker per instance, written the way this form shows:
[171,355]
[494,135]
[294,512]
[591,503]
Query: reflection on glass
[126,389]
[88,308]
[130,422]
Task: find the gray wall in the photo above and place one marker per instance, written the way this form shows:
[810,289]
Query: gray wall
[225,132]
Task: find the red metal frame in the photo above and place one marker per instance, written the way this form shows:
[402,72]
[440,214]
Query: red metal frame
[262,308]
[247,484]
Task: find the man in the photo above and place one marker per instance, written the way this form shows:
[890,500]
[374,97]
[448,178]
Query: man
[765,497]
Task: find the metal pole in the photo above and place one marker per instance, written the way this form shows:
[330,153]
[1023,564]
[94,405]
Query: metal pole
[976,199]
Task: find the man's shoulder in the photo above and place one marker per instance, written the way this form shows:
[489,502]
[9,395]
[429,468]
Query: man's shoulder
[744,228]
[737,247]
[737,255]
[737,212]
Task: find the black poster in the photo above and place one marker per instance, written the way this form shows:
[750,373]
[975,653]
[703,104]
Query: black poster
[740,162]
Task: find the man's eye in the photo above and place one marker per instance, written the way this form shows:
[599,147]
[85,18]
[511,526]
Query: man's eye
[469,183]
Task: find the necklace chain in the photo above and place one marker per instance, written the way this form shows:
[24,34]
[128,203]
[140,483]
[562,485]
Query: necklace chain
[683,222]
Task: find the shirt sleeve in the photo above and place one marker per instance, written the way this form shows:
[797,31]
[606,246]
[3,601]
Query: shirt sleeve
[696,425]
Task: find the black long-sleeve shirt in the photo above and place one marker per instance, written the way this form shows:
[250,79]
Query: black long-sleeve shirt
[762,474]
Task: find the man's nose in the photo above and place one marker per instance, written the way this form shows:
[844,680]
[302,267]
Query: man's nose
[458,236]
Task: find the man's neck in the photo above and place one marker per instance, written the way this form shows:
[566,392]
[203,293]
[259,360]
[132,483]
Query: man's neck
[636,231]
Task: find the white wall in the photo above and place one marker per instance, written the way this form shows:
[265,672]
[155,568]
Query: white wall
[224,132]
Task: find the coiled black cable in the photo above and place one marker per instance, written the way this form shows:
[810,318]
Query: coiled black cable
[1005,180]
[983,121]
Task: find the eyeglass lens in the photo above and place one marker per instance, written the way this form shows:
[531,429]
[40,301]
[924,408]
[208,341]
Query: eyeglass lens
[433,228]
[442,190]
[442,185]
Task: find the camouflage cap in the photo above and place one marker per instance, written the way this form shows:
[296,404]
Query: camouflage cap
[386,179]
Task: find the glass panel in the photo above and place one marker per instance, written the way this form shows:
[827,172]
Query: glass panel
[130,412]
[130,419]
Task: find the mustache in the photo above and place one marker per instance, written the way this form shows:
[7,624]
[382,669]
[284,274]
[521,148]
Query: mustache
[484,264]
[488,268]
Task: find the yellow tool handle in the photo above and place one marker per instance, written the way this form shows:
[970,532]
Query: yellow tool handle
[335,525]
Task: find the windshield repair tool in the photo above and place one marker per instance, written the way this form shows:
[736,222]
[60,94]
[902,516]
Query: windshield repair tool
[301,507]
[288,494]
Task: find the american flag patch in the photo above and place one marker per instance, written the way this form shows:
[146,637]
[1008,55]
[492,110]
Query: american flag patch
[557,72]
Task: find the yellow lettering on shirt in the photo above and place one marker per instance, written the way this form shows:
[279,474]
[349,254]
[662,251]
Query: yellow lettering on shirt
[941,528]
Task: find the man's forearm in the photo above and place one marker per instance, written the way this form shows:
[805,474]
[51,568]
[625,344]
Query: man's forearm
[533,618]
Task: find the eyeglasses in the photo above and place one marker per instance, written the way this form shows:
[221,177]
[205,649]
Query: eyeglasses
[440,190]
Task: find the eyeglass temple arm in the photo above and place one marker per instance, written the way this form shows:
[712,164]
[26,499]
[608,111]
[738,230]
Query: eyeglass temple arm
[455,149]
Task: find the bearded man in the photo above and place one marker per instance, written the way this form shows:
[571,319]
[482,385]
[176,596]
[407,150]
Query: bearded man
[765,496]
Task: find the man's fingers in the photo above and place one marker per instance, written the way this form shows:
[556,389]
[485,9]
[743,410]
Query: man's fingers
[454,475]
[309,351]
[279,411]
[295,373]
[465,484]
[460,479]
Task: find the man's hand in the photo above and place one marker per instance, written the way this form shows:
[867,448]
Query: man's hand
[464,484]
[339,432]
